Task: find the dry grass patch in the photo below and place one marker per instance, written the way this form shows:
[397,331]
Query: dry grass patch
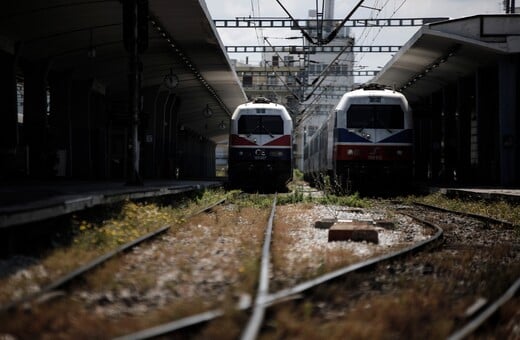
[406,315]
[206,263]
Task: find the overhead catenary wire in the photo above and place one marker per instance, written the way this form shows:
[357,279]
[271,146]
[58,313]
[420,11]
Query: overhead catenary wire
[367,29]
[332,35]
[317,82]
[376,9]
[259,35]
[279,77]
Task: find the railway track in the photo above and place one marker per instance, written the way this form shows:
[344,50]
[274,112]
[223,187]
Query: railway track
[483,310]
[255,316]
[264,299]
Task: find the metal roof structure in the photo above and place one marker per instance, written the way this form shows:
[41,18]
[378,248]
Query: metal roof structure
[441,52]
[84,38]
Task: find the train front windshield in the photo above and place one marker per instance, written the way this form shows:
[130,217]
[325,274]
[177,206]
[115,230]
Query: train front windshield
[375,117]
[260,125]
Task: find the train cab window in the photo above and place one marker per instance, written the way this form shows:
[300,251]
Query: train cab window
[360,116]
[260,125]
[389,117]
[375,117]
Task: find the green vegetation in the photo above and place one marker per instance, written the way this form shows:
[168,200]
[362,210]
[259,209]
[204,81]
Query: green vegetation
[298,196]
[331,193]
[256,200]
[135,220]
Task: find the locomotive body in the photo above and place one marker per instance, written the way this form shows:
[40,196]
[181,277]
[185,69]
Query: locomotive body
[368,138]
[260,146]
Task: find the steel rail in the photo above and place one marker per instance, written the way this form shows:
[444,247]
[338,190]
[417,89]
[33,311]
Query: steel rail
[67,278]
[474,324]
[175,325]
[172,326]
[283,295]
[253,326]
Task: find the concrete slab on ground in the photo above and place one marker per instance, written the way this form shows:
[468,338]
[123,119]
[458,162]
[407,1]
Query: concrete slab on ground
[357,231]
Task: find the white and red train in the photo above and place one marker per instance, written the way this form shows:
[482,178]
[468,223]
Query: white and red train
[260,146]
[367,138]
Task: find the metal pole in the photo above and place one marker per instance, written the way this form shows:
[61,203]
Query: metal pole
[134,177]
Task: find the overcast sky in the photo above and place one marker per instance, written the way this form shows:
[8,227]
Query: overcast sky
[230,9]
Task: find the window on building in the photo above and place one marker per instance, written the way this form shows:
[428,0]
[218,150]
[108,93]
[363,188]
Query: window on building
[276,61]
[247,80]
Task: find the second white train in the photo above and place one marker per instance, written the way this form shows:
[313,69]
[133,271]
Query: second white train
[368,137]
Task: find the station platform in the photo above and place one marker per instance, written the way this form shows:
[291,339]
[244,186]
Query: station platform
[484,194]
[31,201]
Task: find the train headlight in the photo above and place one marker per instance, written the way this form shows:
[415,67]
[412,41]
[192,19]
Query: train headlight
[241,153]
[350,152]
[399,153]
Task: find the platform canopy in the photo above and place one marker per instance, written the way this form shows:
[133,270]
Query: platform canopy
[84,38]
[442,52]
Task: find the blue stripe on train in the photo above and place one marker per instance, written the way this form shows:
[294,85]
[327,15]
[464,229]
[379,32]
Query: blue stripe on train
[344,136]
[405,136]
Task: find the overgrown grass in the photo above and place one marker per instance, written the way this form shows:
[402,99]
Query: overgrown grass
[135,220]
[331,193]
[254,200]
